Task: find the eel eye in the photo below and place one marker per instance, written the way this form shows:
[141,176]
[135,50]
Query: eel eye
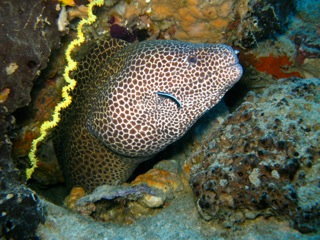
[192,59]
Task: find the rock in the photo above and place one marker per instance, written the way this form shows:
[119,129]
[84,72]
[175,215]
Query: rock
[28,33]
[33,34]
[258,153]
[21,208]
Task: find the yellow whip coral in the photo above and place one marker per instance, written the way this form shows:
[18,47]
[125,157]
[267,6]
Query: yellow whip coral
[71,83]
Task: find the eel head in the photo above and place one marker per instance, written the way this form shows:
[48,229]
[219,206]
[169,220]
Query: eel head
[159,90]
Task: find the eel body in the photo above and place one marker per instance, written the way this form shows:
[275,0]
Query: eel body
[133,100]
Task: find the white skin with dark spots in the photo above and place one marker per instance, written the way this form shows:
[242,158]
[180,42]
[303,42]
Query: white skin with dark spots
[131,101]
[135,120]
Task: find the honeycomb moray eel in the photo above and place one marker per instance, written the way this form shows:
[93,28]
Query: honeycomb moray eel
[133,100]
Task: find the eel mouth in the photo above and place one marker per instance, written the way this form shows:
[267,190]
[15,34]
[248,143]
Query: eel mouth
[234,63]
[238,69]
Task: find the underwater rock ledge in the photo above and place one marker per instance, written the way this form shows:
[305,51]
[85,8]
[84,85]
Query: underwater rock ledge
[22,210]
[270,143]
[264,158]
[28,34]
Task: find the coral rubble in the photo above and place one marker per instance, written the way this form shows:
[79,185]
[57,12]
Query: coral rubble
[264,19]
[244,22]
[21,209]
[145,195]
[263,159]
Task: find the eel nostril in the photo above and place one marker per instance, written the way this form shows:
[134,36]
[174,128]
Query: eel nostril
[192,59]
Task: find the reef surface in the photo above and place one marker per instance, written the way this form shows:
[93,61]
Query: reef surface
[263,159]
[252,161]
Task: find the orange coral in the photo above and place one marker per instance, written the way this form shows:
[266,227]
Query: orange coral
[75,194]
[23,144]
[225,9]
[193,20]
[4,94]
[68,2]
[43,103]
[77,12]
[160,179]
[219,23]
[275,66]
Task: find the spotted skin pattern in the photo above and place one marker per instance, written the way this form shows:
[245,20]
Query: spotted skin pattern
[118,118]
